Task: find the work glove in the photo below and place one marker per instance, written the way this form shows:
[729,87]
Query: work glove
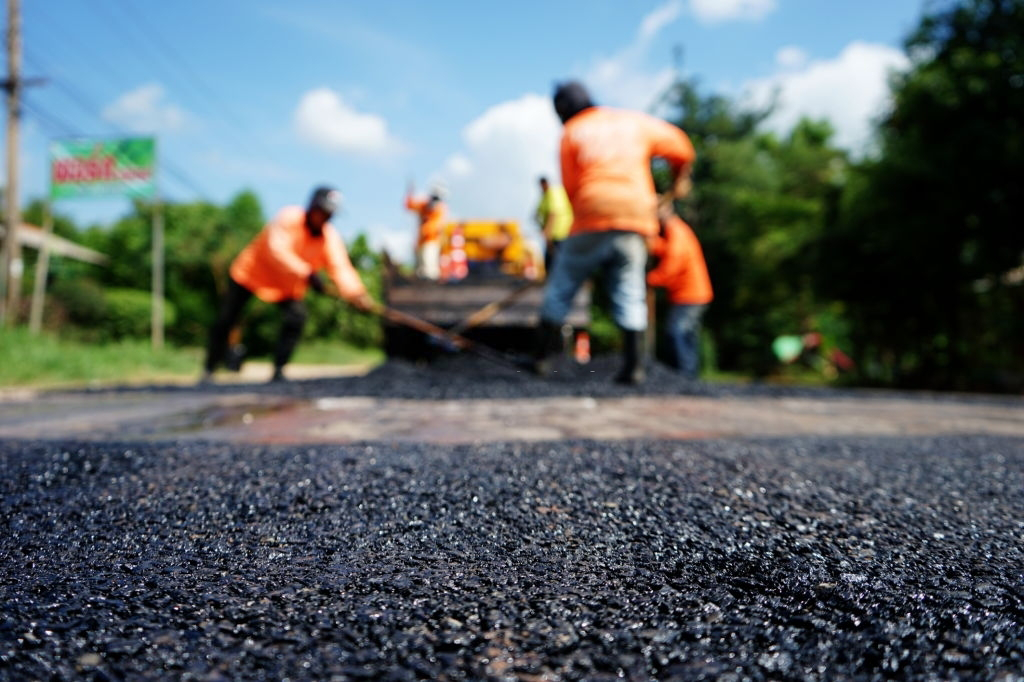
[316,283]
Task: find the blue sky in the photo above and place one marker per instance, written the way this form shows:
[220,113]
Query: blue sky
[279,97]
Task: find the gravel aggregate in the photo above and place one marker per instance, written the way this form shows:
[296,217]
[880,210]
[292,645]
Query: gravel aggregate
[800,558]
[787,559]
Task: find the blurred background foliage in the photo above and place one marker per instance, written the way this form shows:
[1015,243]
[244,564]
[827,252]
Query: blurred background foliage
[910,260]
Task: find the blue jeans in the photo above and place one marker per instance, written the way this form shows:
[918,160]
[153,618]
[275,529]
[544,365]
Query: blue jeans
[682,327]
[620,257]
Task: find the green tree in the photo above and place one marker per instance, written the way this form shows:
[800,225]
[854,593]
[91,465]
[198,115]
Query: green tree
[759,207]
[935,220]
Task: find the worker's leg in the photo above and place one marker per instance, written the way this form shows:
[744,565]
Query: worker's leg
[626,280]
[683,327]
[231,309]
[429,257]
[578,257]
[293,319]
[550,252]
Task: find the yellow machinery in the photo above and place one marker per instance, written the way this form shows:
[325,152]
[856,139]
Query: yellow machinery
[488,246]
[482,262]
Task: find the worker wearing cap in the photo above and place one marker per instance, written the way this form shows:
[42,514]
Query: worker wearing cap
[683,273]
[432,212]
[606,156]
[279,265]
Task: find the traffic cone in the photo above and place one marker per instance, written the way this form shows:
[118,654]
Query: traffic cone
[582,348]
[459,263]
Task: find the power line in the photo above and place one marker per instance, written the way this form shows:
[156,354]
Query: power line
[71,38]
[126,26]
[183,73]
[192,77]
[64,129]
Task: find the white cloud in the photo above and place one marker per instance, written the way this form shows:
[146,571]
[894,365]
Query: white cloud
[850,91]
[791,57]
[713,11]
[506,149]
[145,110]
[659,18]
[621,79]
[397,242]
[323,119]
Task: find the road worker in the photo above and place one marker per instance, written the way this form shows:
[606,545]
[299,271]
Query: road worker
[683,273]
[606,156]
[554,216]
[432,212]
[278,266]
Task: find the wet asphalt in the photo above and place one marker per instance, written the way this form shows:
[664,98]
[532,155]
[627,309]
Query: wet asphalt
[803,557]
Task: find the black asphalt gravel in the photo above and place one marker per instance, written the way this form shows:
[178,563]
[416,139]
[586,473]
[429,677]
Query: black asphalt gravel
[796,558]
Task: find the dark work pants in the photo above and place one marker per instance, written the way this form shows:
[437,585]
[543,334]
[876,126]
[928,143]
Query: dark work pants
[550,251]
[293,318]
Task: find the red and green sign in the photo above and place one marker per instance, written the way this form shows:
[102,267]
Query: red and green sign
[89,167]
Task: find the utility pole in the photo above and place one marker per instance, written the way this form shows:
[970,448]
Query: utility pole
[11,264]
[10,278]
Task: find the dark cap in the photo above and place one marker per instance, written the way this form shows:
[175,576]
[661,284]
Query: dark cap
[570,99]
[327,199]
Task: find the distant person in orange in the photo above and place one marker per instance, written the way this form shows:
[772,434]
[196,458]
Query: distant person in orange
[683,273]
[432,212]
[606,158]
[278,266]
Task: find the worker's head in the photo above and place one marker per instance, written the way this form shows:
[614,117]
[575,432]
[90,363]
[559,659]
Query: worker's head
[570,99]
[543,183]
[322,205]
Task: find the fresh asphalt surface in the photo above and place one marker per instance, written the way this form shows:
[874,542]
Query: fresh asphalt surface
[796,557]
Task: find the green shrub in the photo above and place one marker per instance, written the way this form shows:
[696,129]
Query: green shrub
[129,315]
[99,314]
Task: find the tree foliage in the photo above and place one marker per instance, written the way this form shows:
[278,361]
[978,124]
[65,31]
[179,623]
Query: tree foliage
[759,208]
[935,221]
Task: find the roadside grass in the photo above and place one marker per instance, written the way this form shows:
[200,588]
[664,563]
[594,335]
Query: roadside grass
[46,361]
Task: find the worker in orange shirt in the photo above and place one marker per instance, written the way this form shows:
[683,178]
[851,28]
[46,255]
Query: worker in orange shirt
[432,212]
[683,273]
[606,158]
[278,266]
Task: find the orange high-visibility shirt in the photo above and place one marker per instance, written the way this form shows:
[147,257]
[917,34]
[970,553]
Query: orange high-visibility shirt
[682,270]
[276,265]
[606,155]
[431,215]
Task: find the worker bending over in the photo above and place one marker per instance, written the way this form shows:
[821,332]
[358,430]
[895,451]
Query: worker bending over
[683,273]
[278,266]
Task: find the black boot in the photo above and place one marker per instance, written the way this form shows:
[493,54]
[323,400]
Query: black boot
[548,346]
[632,372]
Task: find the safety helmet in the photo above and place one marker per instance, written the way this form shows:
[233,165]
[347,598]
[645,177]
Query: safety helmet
[570,99]
[327,199]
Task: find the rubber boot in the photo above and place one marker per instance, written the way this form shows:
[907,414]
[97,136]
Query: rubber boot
[548,346]
[632,372]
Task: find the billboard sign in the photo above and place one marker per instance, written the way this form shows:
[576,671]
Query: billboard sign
[92,167]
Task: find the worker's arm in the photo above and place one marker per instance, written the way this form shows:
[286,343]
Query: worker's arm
[669,142]
[570,169]
[344,275]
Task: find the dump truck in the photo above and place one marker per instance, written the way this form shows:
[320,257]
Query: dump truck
[490,291]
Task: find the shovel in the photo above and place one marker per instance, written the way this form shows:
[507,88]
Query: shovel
[444,336]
